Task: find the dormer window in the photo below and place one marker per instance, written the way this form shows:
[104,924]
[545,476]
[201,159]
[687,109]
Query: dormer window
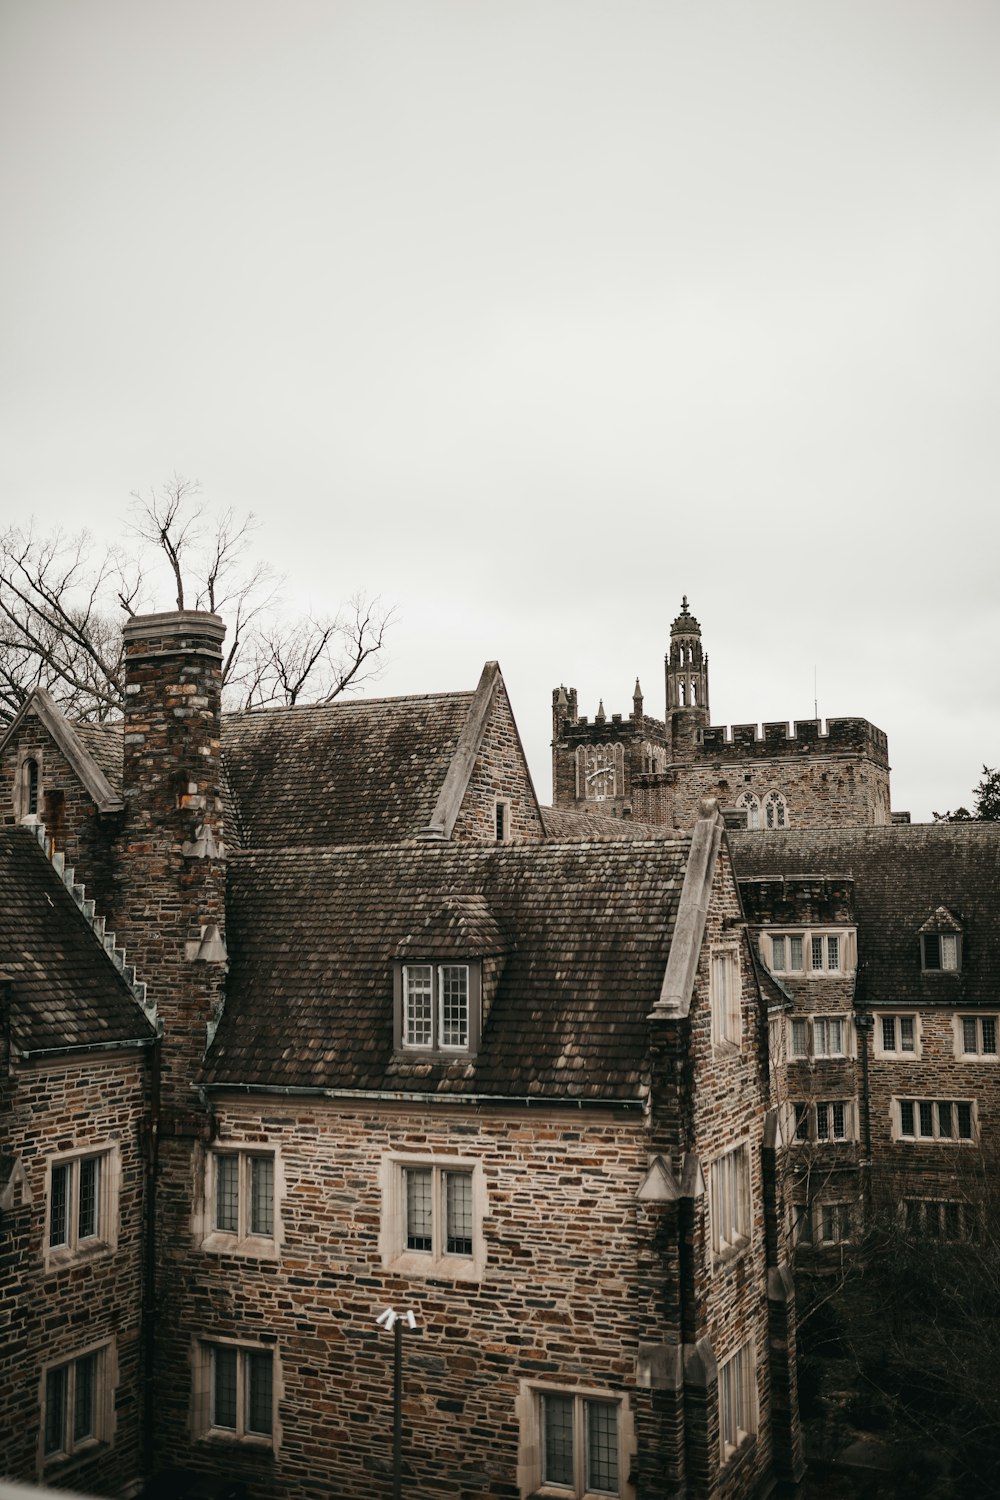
[940,950]
[436,1010]
[941,943]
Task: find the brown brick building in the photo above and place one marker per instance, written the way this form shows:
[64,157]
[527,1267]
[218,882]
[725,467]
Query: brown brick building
[419,1044]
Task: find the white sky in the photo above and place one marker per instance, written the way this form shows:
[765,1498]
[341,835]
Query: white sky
[532,316]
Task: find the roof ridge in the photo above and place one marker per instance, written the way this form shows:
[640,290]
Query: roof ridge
[341,703]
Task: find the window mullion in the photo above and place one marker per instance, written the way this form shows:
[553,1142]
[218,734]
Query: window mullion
[579,1445]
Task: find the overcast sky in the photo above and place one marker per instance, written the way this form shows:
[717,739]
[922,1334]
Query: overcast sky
[532,317]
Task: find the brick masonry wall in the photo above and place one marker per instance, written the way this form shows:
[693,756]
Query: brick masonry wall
[72,821]
[555,1303]
[49,1314]
[500,771]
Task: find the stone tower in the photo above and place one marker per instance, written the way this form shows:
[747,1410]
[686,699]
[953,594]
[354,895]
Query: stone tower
[687,688]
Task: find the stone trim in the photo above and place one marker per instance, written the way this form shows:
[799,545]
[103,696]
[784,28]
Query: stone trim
[55,722]
[692,911]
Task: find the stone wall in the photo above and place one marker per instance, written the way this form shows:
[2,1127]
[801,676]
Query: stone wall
[501,771]
[57,1305]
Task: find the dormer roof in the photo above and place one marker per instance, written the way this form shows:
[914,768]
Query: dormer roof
[460,927]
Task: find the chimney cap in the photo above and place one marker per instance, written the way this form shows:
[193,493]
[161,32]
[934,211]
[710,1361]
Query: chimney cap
[174,622]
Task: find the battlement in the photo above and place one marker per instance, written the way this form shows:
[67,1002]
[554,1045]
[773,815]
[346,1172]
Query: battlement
[584,731]
[752,742]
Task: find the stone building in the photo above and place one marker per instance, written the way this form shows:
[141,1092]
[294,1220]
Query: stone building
[658,770]
[420,1044]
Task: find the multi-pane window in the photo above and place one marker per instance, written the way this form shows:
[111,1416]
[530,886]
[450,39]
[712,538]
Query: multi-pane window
[835,1223]
[935,1119]
[824,951]
[775,810]
[725,995]
[899,1034]
[824,1120]
[438,1210]
[934,1218]
[786,953]
[737,1400]
[940,950]
[243,1194]
[240,1390]
[579,1444]
[750,804]
[820,1036]
[730,1200]
[75,1404]
[978,1036]
[79,1203]
[436,1006]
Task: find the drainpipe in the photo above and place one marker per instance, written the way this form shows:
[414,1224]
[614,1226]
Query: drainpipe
[149,1308]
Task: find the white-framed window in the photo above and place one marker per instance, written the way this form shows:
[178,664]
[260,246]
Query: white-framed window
[432,1216]
[834,1223]
[750,804]
[976,1036]
[242,1194]
[825,952]
[81,1204]
[236,1392]
[934,1119]
[725,994]
[730,1200]
[786,953]
[940,951]
[775,810]
[501,819]
[897,1035]
[824,1120]
[574,1443]
[737,1400]
[936,1219]
[439,1007]
[77,1404]
[820,1036]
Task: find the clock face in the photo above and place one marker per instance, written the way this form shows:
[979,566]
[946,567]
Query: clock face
[599,783]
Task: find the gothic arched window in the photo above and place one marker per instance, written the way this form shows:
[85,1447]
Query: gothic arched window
[751,805]
[29,799]
[776,810]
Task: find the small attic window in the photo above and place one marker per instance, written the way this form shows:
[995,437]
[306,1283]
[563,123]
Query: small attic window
[502,817]
[941,943]
[940,950]
[438,1007]
[29,788]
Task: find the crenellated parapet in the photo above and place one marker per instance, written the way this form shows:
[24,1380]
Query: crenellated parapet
[807,737]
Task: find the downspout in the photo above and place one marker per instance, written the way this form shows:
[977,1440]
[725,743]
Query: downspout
[149,1300]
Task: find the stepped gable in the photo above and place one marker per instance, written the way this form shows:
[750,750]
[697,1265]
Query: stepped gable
[313,935]
[66,991]
[902,874]
[565,825]
[357,771]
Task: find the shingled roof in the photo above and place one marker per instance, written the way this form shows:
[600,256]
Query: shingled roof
[902,874]
[565,824]
[65,991]
[313,934]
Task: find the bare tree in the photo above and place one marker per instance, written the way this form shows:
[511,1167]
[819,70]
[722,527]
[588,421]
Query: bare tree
[62,602]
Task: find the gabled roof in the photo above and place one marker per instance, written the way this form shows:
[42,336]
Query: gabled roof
[565,825]
[902,874]
[313,935]
[65,990]
[89,748]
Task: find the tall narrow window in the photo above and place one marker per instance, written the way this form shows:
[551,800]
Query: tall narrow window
[242,1201]
[775,810]
[502,818]
[81,1207]
[580,1444]
[730,1200]
[241,1391]
[76,1404]
[31,786]
[737,1401]
[725,995]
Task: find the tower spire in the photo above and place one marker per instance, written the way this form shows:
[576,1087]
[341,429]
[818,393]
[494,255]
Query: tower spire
[687,685]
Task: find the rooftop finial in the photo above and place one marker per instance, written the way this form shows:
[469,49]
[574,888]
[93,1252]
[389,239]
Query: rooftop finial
[684,604]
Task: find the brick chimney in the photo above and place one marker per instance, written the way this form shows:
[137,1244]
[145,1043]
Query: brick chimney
[171,906]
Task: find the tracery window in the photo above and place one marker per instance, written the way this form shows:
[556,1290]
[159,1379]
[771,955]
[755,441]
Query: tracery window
[775,810]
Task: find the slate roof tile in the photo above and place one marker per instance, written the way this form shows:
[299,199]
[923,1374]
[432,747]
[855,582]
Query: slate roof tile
[902,875]
[565,825]
[65,990]
[313,934]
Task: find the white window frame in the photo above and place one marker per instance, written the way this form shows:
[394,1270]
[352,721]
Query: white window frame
[935,1134]
[810,1025]
[778,961]
[737,1400]
[243,1240]
[531,1448]
[942,938]
[897,1053]
[976,1019]
[730,1202]
[203,1423]
[777,956]
[395,1253]
[812,1109]
[406,977]
[105,1382]
[76,1246]
[725,987]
